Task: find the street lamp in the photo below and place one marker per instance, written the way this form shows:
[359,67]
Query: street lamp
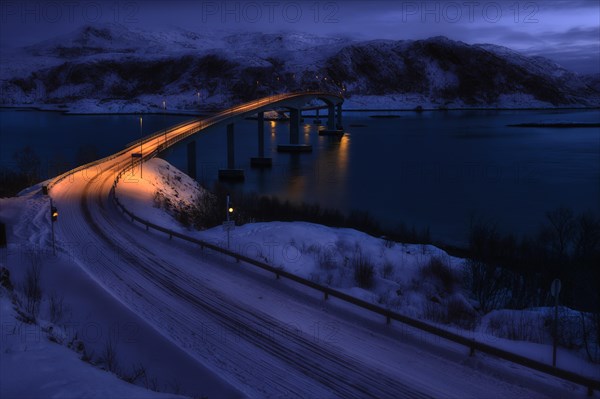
[228,225]
[164,104]
[141,152]
[53,218]
[229,208]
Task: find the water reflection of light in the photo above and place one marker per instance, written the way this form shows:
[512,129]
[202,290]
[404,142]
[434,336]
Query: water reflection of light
[306,128]
[343,155]
[273,128]
[297,188]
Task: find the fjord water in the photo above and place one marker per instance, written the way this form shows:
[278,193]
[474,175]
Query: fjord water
[435,169]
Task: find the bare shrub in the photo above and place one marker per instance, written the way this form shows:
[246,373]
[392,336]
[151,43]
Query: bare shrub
[591,341]
[489,284]
[460,312]
[175,386]
[315,278]
[559,231]
[57,309]
[343,246]
[390,299]
[28,163]
[570,333]
[5,279]
[159,200]
[138,372]
[184,214]
[108,356]
[364,271]
[440,274]
[325,259]
[32,289]
[387,271]
[453,310]
[388,242]
[517,325]
[152,384]
[329,279]
[78,346]
[434,311]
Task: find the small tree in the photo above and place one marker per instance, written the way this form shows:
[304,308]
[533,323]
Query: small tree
[364,271]
[28,163]
[484,283]
[559,231]
[86,153]
[587,237]
[32,289]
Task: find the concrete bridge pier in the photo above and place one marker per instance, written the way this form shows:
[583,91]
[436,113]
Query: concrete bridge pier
[294,145]
[261,160]
[231,173]
[332,129]
[191,160]
[317,121]
[294,126]
[330,117]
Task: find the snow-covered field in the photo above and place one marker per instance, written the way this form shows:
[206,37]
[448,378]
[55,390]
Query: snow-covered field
[202,325]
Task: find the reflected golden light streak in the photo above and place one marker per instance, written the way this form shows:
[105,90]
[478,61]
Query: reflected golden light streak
[306,128]
[343,155]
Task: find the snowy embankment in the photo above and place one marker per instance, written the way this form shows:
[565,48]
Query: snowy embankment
[33,365]
[411,101]
[420,281]
[185,104]
[77,340]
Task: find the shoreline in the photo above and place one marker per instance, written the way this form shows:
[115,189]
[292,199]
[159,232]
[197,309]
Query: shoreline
[204,113]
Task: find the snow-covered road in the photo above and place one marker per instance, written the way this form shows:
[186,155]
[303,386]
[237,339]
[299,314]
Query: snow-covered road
[266,337]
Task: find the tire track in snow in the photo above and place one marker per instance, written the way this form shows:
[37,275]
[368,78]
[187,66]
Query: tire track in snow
[340,374]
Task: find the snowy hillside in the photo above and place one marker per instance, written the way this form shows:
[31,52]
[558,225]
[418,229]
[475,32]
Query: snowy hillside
[420,281]
[112,68]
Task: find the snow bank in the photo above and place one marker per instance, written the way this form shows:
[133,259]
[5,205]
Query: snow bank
[89,319]
[32,366]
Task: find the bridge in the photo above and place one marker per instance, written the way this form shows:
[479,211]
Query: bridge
[149,146]
[293,103]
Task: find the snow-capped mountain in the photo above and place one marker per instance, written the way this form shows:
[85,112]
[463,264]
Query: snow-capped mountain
[114,68]
[455,73]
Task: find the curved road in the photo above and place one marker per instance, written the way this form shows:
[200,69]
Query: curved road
[265,337]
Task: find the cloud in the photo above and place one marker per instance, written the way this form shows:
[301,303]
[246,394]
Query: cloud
[591,34]
[527,26]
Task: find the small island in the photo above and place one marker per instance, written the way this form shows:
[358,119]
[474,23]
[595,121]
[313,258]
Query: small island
[557,124]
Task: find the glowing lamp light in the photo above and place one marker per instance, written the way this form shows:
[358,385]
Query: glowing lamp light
[54,213]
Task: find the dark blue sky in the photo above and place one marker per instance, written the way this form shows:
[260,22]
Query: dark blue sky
[565,31]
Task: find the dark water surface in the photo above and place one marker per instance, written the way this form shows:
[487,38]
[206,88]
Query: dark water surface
[434,169]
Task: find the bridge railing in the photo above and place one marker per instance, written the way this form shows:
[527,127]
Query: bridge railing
[129,147]
[194,126]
